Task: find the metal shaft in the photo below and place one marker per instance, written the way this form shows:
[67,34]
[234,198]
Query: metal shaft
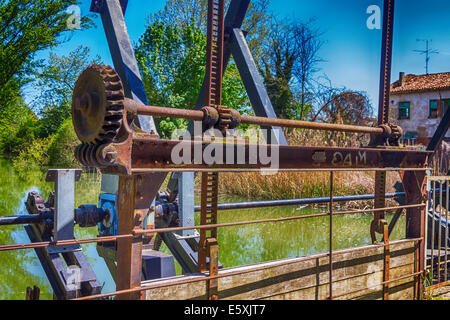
[197,115]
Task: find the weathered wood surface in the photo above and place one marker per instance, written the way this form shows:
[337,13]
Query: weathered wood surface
[307,278]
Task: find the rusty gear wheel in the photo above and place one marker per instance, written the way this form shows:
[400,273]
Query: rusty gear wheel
[98,105]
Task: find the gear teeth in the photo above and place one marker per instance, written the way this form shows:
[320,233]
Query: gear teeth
[225,118]
[114,104]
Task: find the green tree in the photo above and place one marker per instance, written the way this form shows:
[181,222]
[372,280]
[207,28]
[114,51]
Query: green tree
[61,149]
[17,128]
[184,13]
[27,26]
[172,61]
[290,65]
[56,80]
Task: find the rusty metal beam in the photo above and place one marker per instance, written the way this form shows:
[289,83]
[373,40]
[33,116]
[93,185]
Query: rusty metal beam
[129,250]
[414,186]
[386,61]
[383,109]
[153,154]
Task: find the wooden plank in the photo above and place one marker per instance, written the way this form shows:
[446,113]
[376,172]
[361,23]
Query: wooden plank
[402,289]
[310,273]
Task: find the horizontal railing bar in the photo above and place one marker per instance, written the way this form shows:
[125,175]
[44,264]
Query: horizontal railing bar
[45,244]
[240,170]
[36,218]
[163,230]
[230,274]
[291,202]
[437,286]
[438,178]
[233,224]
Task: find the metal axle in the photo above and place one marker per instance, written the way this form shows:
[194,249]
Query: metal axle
[198,115]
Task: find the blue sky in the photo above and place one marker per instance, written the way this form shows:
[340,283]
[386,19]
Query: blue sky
[351,50]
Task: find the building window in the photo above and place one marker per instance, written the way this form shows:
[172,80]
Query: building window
[404,110]
[445,106]
[434,106]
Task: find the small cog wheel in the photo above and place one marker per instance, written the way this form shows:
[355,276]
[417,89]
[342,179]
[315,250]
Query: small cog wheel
[98,105]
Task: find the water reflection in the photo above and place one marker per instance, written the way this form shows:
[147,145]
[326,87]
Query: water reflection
[239,245]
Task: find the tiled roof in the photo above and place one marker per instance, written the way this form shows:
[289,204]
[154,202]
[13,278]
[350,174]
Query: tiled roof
[421,83]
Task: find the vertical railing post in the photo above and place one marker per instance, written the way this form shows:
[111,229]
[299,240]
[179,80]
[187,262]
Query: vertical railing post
[387,262]
[413,184]
[439,233]
[433,220]
[447,196]
[331,234]
[213,284]
[129,250]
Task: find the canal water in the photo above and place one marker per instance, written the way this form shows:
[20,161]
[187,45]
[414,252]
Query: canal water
[240,245]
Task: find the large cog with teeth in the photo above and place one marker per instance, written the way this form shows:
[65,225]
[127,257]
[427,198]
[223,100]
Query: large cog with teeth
[98,105]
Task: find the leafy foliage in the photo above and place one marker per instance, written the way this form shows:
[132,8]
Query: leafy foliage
[34,153]
[56,80]
[17,128]
[27,26]
[292,59]
[172,61]
[61,149]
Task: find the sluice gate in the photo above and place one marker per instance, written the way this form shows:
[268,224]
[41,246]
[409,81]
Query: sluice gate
[114,123]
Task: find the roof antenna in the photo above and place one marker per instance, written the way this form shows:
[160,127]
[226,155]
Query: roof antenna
[427,52]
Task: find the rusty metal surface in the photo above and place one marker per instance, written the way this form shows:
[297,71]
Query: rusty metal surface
[386,61]
[157,154]
[377,225]
[261,121]
[208,215]
[198,115]
[414,186]
[213,253]
[234,273]
[331,234]
[130,236]
[187,114]
[98,105]
[129,250]
[208,247]
[387,261]
[232,224]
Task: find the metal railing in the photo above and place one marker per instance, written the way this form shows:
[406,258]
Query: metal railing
[437,230]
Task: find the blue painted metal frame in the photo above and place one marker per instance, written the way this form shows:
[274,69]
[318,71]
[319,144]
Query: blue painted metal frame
[122,53]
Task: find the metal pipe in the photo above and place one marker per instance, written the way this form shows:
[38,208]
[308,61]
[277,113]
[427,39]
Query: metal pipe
[234,224]
[24,219]
[293,202]
[194,115]
[198,115]
[287,123]
[85,216]
[162,230]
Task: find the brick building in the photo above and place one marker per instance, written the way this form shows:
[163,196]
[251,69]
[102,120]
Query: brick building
[418,103]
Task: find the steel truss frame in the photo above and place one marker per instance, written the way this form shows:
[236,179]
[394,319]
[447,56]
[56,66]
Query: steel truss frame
[143,159]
